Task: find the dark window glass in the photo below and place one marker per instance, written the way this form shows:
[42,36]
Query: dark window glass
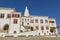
[36,20]
[47,31]
[47,28]
[42,28]
[27,19]
[42,31]
[51,21]
[22,23]
[6,27]
[46,21]
[37,27]
[31,21]
[9,16]
[15,21]
[1,15]
[41,21]
[16,15]
[32,28]
[14,32]
[13,15]
[27,23]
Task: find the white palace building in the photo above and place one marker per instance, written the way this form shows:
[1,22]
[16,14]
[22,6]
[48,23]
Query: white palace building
[13,23]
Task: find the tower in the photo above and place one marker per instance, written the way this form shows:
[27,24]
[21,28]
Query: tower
[15,23]
[26,13]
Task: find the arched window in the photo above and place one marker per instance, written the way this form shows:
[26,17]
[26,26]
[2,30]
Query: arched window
[6,27]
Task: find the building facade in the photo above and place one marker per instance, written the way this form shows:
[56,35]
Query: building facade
[13,22]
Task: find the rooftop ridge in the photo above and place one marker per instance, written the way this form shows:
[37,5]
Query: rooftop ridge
[6,8]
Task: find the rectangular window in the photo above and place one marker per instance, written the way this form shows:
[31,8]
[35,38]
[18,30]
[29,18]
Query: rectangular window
[16,15]
[47,31]
[37,28]
[22,23]
[12,15]
[42,31]
[32,28]
[36,20]
[9,16]
[47,28]
[42,28]
[31,21]
[27,19]
[27,23]
[51,21]
[1,15]
[46,21]
[41,21]
[15,21]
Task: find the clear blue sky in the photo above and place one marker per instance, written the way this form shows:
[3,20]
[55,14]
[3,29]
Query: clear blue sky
[49,8]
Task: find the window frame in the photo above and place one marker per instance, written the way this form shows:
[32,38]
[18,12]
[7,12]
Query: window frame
[31,21]
[36,20]
[8,15]
[37,27]
[15,21]
[46,21]
[41,20]
[42,28]
[47,28]
[2,15]
[15,15]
